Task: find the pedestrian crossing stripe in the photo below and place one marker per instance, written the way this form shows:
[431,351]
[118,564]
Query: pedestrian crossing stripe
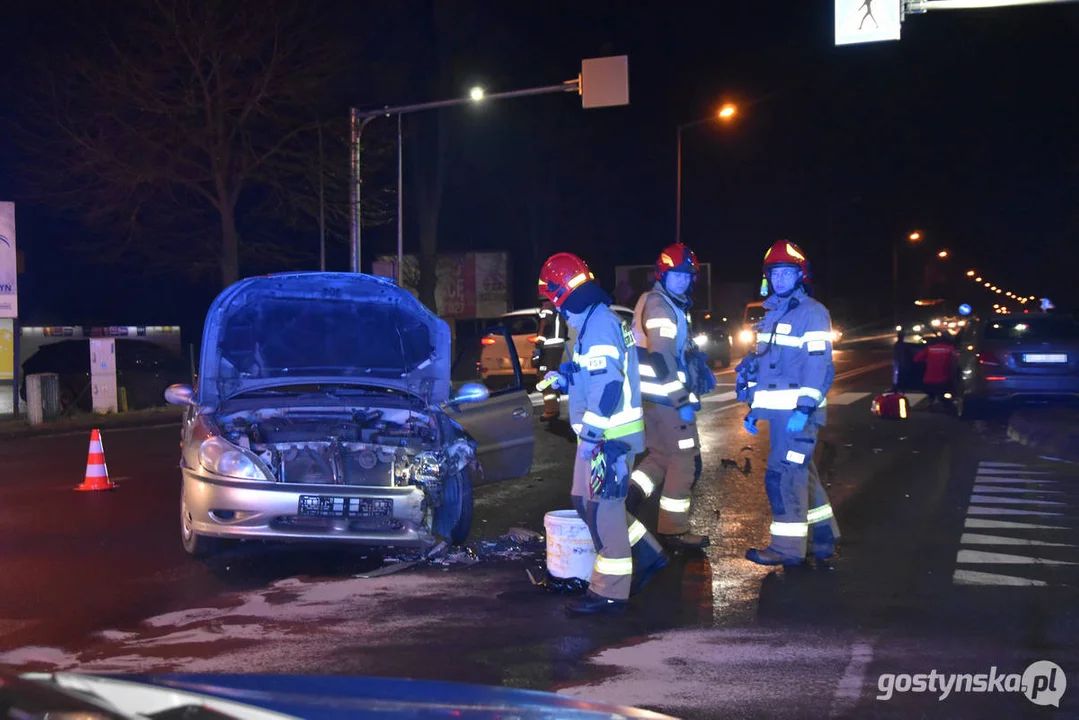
[996,486]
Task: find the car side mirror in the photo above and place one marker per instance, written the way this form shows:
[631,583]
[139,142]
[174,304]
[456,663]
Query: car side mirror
[471,393]
[180,395]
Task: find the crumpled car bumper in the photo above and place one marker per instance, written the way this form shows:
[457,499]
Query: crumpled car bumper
[271,511]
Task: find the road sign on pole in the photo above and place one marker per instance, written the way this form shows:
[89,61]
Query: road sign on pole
[864,21]
[605,82]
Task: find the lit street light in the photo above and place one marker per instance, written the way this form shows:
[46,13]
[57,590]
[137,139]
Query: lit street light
[724,114]
[942,254]
[970,273]
[476,93]
[914,237]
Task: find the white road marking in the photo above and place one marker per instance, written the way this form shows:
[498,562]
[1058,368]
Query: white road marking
[1007,525]
[982,557]
[978,539]
[973,577]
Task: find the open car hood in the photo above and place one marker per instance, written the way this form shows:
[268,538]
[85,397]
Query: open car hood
[312,327]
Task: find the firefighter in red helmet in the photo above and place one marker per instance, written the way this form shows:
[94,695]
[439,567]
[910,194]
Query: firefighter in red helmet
[603,383]
[672,379]
[791,373]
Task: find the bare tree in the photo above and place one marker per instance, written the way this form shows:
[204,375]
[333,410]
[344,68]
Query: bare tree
[176,116]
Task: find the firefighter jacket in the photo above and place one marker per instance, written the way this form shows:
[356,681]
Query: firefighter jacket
[604,387]
[794,356]
[662,326]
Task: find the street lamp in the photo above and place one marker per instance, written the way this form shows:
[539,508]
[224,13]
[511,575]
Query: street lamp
[476,93]
[724,114]
[942,254]
[914,237]
[970,273]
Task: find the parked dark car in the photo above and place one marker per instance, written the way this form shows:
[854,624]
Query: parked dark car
[143,369]
[1018,357]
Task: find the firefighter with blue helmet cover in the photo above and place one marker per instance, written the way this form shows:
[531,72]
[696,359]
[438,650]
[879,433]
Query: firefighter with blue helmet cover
[673,377]
[603,383]
[791,378]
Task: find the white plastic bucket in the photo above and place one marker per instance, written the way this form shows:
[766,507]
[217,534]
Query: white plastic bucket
[570,552]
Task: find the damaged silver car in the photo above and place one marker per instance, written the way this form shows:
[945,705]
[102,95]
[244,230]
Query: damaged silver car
[323,412]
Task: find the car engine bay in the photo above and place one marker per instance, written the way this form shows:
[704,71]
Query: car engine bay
[373,447]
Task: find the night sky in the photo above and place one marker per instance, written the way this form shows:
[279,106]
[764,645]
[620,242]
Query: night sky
[965,130]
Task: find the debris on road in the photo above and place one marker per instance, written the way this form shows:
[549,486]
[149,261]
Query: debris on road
[516,544]
[745,468]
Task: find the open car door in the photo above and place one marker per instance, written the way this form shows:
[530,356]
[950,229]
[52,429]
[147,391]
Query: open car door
[503,425]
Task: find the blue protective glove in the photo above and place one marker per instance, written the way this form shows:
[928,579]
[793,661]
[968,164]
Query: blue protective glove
[556,379]
[797,423]
[685,413]
[750,425]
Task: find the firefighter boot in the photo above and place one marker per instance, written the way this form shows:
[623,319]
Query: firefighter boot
[768,556]
[592,604]
[685,541]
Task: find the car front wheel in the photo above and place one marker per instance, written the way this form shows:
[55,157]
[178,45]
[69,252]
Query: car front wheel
[453,520]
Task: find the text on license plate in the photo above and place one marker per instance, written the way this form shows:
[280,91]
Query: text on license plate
[1045,357]
[342,507]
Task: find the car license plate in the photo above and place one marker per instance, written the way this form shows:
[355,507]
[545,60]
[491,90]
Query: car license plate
[1045,357]
[342,507]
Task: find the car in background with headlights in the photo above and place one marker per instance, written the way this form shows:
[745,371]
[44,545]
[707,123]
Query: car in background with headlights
[712,336]
[324,412]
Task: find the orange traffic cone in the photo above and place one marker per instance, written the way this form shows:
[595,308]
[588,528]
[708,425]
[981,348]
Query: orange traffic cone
[97,475]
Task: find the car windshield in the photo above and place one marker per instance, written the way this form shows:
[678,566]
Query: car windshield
[281,338]
[1033,329]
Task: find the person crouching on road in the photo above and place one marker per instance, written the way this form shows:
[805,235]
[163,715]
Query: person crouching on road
[793,373]
[672,379]
[605,412]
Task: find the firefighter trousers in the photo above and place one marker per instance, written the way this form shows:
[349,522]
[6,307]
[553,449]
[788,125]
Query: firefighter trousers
[622,543]
[801,513]
[672,466]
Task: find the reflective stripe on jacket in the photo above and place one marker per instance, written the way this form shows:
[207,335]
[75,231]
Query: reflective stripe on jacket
[604,394]
[794,350]
[662,328]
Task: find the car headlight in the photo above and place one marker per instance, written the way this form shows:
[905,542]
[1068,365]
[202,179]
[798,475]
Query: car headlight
[221,457]
[746,336]
[700,339]
[835,336]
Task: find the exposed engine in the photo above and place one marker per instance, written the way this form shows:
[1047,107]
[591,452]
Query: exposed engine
[381,447]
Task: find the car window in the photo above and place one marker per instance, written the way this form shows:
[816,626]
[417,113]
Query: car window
[1033,329]
[521,324]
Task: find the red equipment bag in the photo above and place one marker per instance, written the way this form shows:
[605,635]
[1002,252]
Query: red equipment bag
[891,406]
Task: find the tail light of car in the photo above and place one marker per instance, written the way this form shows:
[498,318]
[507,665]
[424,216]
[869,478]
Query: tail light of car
[488,341]
[534,338]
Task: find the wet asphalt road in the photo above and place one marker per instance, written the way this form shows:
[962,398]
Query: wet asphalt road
[959,554]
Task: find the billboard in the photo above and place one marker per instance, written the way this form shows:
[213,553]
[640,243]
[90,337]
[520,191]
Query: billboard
[862,21]
[9,264]
[467,285]
[630,281]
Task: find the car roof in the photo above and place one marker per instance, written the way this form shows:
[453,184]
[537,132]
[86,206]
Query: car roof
[535,311]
